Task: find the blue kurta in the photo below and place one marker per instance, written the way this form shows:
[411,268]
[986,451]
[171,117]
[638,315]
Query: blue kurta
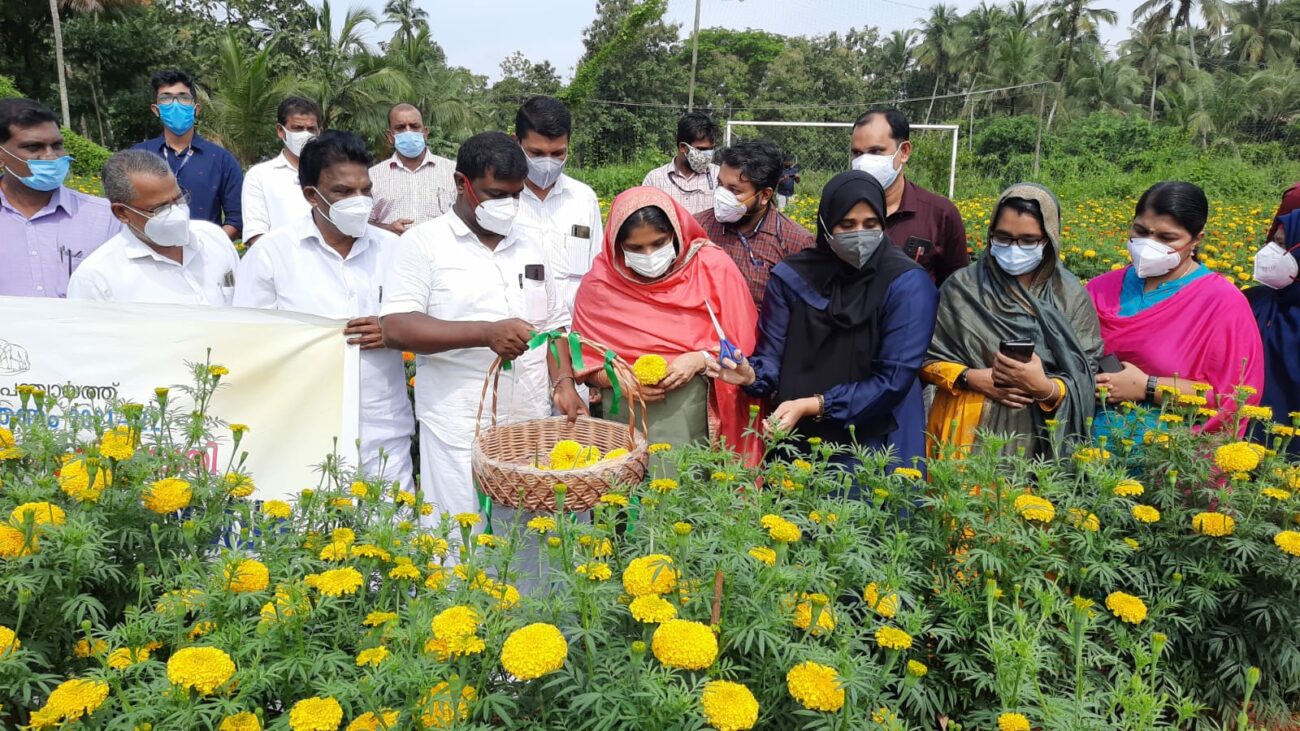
[907,323]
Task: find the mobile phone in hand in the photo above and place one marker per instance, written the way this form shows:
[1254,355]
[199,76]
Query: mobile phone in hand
[1020,349]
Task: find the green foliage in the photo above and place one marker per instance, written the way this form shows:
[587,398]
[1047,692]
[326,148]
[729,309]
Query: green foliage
[89,157]
[7,88]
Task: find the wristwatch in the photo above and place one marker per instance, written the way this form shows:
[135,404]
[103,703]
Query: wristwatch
[960,381]
[1152,382]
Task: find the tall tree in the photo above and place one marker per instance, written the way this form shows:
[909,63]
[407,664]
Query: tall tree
[94,6]
[1155,53]
[407,16]
[245,97]
[940,45]
[1259,33]
[1175,14]
[1071,22]
[899,51]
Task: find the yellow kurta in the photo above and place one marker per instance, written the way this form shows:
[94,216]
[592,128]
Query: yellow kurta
[955,413]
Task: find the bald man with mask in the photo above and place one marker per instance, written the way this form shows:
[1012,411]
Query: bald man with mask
[414,185]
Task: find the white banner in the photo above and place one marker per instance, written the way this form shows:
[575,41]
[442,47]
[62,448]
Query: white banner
[293,379]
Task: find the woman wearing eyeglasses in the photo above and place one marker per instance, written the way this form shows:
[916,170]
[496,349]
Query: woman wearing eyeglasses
[1172,322]
[1017,341]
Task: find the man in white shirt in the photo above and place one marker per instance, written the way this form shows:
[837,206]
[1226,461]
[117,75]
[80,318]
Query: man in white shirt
[564,212]
[160,255]
[468,287]
[272,196]
[414,185]
[331,263]
[690,177]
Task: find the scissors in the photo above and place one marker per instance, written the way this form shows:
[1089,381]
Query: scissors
[726,349]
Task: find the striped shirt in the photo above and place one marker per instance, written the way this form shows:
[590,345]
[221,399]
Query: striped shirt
[695,193]
[420,195]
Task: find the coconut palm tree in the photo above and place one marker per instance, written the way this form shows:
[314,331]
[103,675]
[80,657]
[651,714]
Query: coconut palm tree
[1175,14]
[1111,85]
[1156,55]
[409,18]
[245,97]
[87,6]
[1259,33]
[1017,60]
[940,46]
[345,76]
[1072,22]
[899,49]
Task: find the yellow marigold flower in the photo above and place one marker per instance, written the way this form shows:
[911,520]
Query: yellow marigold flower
[1237,457]
[614,499]
[1216,525]
[653,574]
[763,554]
[682,528]
[238,485]
[1133,544]
[1260,413]
[404,571]
[448,648]
[337,582]
[366,550]
[663,485]
[168,495]
[1032,507]
[728,706]
[909,473]
[1129,488]
[374,619]
[342,503]
[650,369]
[652,609]
[1288,541]
[118,443]
[1275,494]
[467,520]
[885,605]
[204,669]
[202,628]
[72,700]
[7,437]
[40,513]
[487,540]
[1092,454]
[1282,430]
[604,549]
[1171,419]
[316,714]
[1145,514]
[14,543]
[247,575]
[372,656]
[883,716]
[1186,399]
[816,687]
[385,720]
[1126,607]
[456,621]
[243,721]
[431,544]
[437,709]
[1084,521]
[358,490]
[917,669]
[660,447]
[565,454]
[277,509]
[779,529]
[335,551]
[1013,722]
[533,651]
[1207,413]
[8,641]
[74,480]
[595,571]
[542,524]
[125,657]
[406,497]
[218,371]
[892,638]
[805,608]
[680,643]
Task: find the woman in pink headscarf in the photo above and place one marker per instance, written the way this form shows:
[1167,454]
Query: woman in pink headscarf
[646,295]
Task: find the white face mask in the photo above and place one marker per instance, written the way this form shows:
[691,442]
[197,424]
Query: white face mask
[1275,267]
[726,207]
[544,171]
[1016,260]
[497,215]
[295,141]
[350,215]
[168,227]
[652,265]
[880,167]
[1152,258]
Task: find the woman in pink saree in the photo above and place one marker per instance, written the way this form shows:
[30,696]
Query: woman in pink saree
[1171,321]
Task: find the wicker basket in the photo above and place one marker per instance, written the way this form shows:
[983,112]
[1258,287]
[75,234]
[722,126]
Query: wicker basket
[504,454]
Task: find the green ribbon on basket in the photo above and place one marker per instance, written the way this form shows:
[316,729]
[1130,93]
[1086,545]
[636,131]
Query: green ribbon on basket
[575,352]
[548,337]
[613,382]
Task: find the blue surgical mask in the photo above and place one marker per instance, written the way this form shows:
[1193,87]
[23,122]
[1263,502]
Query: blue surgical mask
[46,175]
[177,117]
[409,144]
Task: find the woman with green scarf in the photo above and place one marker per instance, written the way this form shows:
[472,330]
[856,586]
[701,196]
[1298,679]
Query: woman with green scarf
[987,375]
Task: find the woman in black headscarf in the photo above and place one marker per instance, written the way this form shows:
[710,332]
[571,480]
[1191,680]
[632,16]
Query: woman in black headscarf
[843,331]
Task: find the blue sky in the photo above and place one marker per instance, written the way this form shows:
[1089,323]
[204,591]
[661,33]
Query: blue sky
[480,33]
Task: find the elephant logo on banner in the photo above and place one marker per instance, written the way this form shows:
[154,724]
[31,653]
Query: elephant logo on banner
[13,359]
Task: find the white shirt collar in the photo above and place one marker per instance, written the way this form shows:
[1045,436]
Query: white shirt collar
[134,248]
[556,191]
[461,230]
[305,229]
[396,161]
[280,161]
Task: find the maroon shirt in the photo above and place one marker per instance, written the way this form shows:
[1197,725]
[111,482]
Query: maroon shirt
[776,238]
[928,228]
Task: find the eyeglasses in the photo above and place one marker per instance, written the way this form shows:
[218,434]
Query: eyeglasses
[1025,243]
[185,99]
[184,200]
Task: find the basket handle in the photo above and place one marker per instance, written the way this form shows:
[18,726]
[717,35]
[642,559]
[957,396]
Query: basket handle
[621,369]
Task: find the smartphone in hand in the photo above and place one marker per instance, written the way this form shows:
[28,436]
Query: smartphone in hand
[1020,349]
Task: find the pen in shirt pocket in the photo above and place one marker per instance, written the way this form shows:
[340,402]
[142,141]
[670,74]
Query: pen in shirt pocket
[381,294]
